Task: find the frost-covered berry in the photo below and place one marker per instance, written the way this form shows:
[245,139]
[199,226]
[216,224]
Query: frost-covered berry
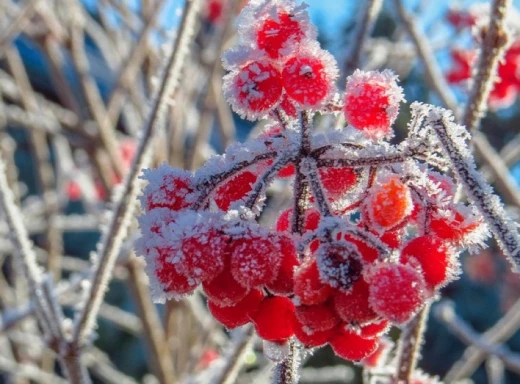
[339,264]
[254,89]
[224,290]
[308,287]
[431,255]
[375,329]
[234,189]
[379,356]
[389,202]
[255,259]
[317,317]
[311,223]
[350,346]
[203,254]
[278,34]
[167,187]
[170,279]
[312,338]
[275,318]
[368,253]
[372,102]
[354,307]
[239,313]
[283,284]
[454,228]
[397,291]
[288,107]
[337,181]
[309,79]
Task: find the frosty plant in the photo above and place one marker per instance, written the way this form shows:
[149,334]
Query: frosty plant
[374,230]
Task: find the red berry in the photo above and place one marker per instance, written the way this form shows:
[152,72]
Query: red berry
[376,329]
[337,181]
[396,291]
[368,254]
[234,189]
[170,279]
[354,307]
[339,265]
[224,290]
[308,286]
[454,228]
[372,102]
[378,357]
[284,283]
[255,260]
[275,35]
[431,255]
[204,254]
[274,319]
[288,107]
[317,317]
[350,346]
[312,338]
[254,89]
[312,220]
[167,188]
[389,203]
[240,313]
[309,79]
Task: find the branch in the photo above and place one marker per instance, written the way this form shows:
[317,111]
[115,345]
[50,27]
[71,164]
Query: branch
[125,205]
[495,43]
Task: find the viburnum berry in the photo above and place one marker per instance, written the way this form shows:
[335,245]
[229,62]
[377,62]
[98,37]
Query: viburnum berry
[308,287]
[288,107]
[170,279]
[378,357]
[337,181]
[389,202]
[254,89]
[354,307]
[224,290]
[255,259]
[372,102]
[274,319]
[351,346]
[312,338]
[432,256]
[234,189]
[311,223]
[240,313]
[276,35]
[339,264]
[309,79]
[456,227]
[283,284]
[397,291]
[317,317]
[203,254]
[368,253]
[167,187]
[375,329]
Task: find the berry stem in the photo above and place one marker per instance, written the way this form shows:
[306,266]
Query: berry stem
[317,189]
[410,344]
[285,372]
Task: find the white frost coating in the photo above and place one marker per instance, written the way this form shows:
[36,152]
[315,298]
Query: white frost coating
[479,192]
[275,352]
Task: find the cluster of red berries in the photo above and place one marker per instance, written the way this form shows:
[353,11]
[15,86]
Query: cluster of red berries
[368,241]
[507,85]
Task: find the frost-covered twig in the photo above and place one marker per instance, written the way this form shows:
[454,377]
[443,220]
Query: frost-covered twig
[495,41]
[286,372]
[234,357]
[125,205]
[446,313]
[478,191]
[368,16]
[505,328]
[410,343]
